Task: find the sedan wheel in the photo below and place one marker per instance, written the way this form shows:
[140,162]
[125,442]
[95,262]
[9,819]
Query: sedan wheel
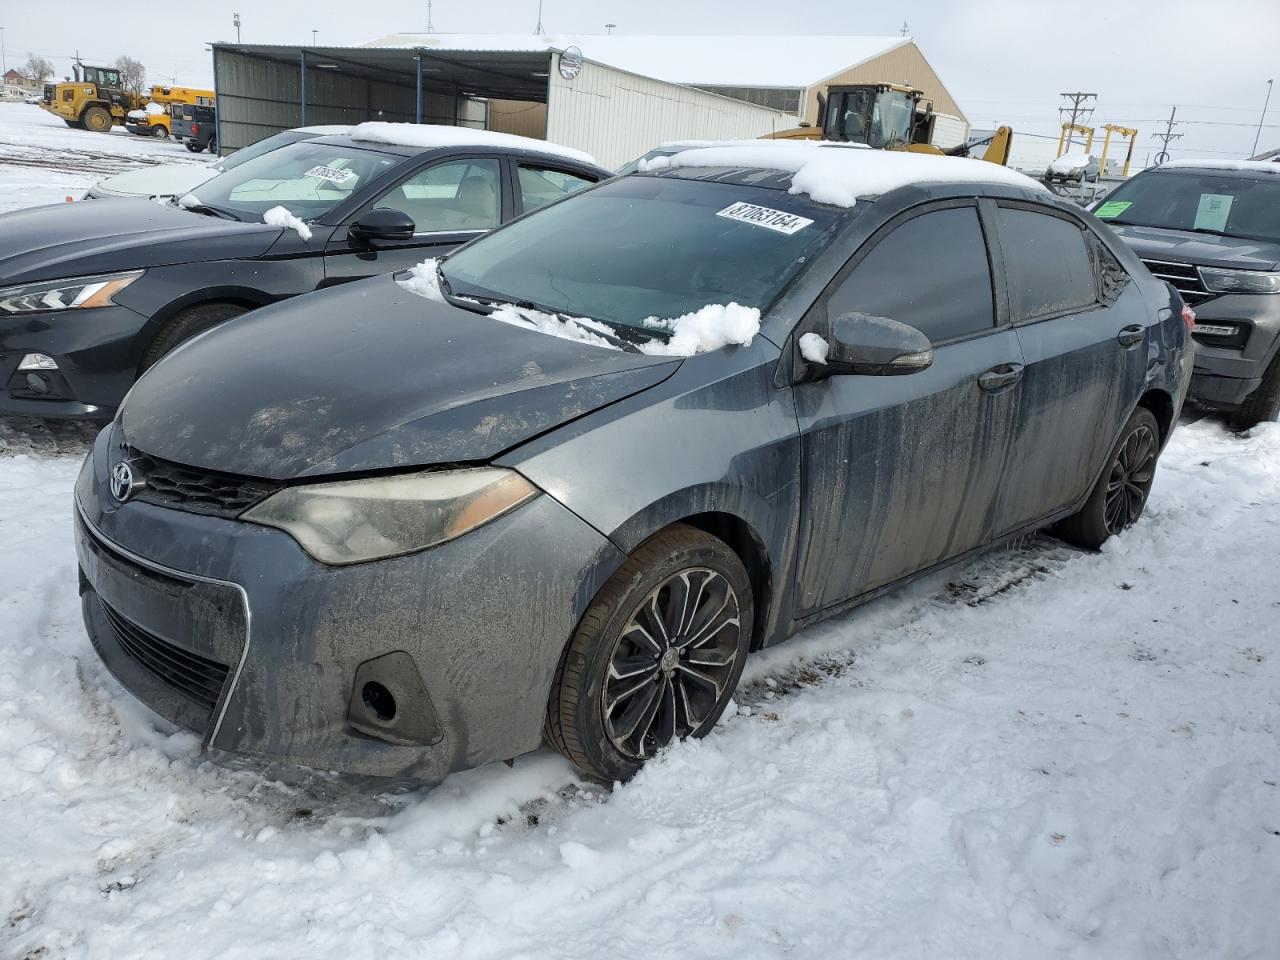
[656,657]
[1120,495]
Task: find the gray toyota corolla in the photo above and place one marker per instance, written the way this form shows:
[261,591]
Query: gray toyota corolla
[559,487]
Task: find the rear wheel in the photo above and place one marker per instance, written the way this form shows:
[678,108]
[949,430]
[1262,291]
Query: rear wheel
[195,147]
[186,325]
[1263,405]
[1120,496]
[656,657]
[97,119]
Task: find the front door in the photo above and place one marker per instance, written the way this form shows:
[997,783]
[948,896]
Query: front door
[902,472]
[450,202]
[1082,325]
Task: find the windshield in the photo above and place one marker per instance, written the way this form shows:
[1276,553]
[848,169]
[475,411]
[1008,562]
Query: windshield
[648,247]
[891,119]
[265,145]
[1198,200]
[308,179]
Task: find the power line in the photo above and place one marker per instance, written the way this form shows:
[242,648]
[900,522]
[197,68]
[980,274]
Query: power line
[1078,100]
[1165,137]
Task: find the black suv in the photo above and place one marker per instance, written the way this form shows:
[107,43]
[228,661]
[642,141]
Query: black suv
[1212,229]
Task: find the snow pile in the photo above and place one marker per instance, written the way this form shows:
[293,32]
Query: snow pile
[137,114]
[423,280]
[840,177]
[431,135]
[714,326]
[1269,167]
[814,348]
[1069,163]
[281,217]
[154,109]
[188,200]
[566,328]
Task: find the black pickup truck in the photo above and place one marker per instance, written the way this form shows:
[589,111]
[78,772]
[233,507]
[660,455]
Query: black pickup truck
[195,125]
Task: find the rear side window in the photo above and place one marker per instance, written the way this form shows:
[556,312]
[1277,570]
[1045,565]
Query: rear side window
[1049,265]
[540,185]
[931,272]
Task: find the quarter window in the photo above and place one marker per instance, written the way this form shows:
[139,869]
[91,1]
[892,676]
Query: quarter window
[540,185]
[1048,263]
[931,272]
[458,195]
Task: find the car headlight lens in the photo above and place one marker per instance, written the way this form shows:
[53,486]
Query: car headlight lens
[352,521]
[82,292]
[1219,280]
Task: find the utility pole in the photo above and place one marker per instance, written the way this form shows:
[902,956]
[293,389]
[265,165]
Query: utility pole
[1262,119]
[538,29]
[1165,137]
[1078,108]
[235,18]
[903,31]
[313,37]
[431,27]
[4,67]
[608,28]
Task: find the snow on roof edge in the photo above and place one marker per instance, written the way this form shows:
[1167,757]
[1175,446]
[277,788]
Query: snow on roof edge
[427,135]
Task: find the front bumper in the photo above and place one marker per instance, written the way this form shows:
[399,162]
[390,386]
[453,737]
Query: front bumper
[273,643]
[97,355]
[1228,370]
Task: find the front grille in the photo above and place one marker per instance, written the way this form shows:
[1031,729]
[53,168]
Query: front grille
[1183,276]
[197,678]
[196,490]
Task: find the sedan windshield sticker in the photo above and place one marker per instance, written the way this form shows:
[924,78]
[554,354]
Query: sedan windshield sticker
[778,220]
[1112,208]
[332,174]
[1212,211]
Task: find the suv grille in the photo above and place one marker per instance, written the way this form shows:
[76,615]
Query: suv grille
[195,677]
[196,490]
[1183,276]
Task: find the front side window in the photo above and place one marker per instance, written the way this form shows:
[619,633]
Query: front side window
[931,273]
[1049,265]
[540,185]
[308,179]
[644,246]
[1198,201]
[459,195]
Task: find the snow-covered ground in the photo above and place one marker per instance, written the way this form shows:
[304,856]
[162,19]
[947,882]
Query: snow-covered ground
[1043,754]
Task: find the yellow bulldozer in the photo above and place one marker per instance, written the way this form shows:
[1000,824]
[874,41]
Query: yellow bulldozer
[888,116]
[95,100]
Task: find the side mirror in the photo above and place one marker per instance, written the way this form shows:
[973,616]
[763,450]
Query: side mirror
[858,343]
[383,223]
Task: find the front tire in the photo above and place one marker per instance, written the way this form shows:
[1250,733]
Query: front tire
[186,325]
[1120,495]
[160,133]
[1263,405]
[97,120]
[656,657]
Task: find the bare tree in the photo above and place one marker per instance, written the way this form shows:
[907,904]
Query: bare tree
[37,68]
[133,75]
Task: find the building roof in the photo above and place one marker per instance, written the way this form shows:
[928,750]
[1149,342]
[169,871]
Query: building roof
[719,60]
[12,74]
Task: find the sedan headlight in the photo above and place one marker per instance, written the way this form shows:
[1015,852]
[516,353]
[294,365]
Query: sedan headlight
[81,292]
[352,521]
[1219,280]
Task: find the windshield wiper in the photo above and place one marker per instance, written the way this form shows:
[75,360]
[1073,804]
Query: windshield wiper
[472,301]
[212,211]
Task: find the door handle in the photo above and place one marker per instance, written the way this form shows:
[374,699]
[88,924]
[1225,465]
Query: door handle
[1131,335]
[997,378]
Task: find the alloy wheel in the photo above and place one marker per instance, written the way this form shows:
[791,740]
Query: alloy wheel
[1130,479]
[672,662]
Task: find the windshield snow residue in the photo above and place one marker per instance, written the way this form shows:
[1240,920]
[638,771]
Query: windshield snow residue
[281,217]
[423,281]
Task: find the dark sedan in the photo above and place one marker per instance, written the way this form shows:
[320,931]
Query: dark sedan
[92,294]
[573,475]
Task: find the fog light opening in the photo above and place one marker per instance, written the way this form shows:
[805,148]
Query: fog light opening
[378,701]
[37,383]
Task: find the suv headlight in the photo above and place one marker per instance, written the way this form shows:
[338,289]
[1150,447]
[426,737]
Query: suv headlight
[1219,280]
[81,292]
[352,521]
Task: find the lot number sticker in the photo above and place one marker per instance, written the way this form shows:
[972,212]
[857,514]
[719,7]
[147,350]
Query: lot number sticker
[778,220]
[1213,210]
[332,174]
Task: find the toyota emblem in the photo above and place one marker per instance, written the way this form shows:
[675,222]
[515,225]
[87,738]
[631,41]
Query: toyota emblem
[123,481]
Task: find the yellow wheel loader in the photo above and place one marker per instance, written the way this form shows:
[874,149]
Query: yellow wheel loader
[95,100]
[888,116]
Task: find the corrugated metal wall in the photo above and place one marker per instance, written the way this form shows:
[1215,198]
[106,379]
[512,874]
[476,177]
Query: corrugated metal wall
[257,98]
[905,65]
[522,117]
[949,131]
[616,116]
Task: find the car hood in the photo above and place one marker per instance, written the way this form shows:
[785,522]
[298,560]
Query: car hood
[81,239]
[1202,249]
[369,377]
[170,180]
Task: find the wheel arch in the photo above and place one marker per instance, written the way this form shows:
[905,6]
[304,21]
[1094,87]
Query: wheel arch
[1160,403]
[245,297]
[750,548]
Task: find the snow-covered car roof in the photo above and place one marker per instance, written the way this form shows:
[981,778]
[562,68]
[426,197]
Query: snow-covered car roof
[1242,166]
[840,177]
[432,135]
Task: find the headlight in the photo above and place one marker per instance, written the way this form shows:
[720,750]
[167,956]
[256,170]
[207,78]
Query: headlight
[352,521]
[1239,281]
[65,294]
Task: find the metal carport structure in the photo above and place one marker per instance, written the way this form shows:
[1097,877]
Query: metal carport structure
[263,89]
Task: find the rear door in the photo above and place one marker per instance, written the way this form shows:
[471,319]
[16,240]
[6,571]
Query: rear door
[902,472]
[1082,325]
[451,201]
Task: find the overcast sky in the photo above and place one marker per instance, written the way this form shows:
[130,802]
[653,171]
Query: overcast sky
[1003,60]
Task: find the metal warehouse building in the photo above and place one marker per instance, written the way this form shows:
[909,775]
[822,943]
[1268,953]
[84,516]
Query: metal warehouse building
[613,96]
